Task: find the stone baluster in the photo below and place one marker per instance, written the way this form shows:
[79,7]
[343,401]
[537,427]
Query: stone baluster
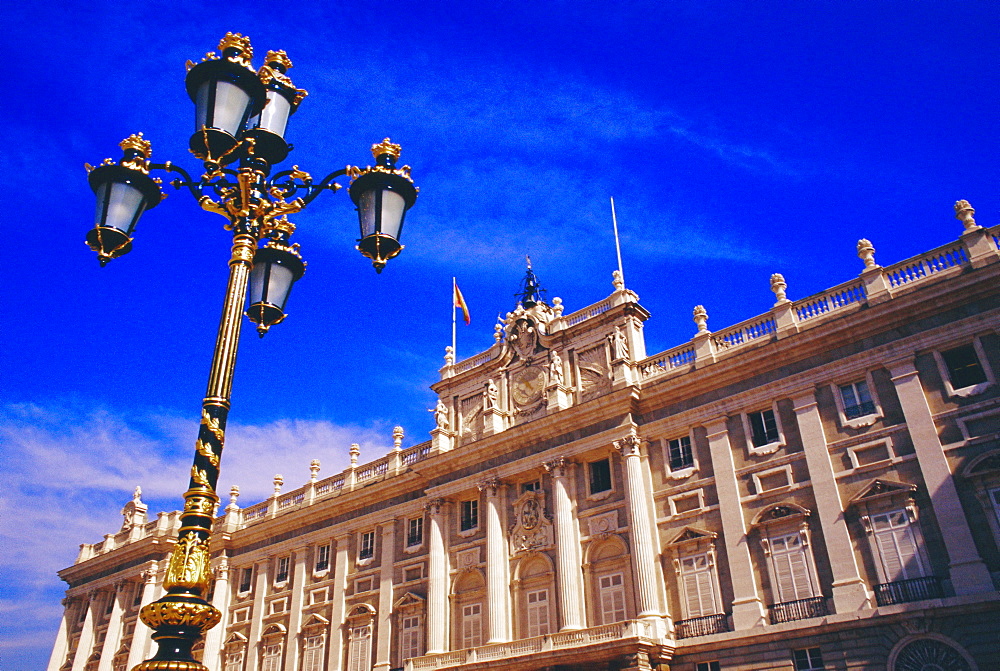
[568,573]
[437,580]
[876,285]
[497,566]
[220,599]
[979,243]
[969,574]
[704,348]
[644,550]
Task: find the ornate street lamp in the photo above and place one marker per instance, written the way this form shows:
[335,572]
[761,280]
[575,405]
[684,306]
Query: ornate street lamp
[240,115]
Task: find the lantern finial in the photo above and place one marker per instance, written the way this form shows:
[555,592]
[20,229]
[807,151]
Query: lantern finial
[236,48]
[386,146]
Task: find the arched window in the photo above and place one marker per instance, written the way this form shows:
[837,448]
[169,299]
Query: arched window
[695,566]
[469,608]
[410,611]
[360,622]
[783,533]
[928,653]
[272,643]
[313,640]
[610,583]
[536,597]
[235,652]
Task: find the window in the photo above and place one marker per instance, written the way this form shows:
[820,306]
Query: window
[964,369]
[271,659]
[137,595]
[282,573]
[110,605]
[246,579]
[312,653]
[857,400]
[415,531]
[708,666]
[469,518]
[532,486]
[366,548]
[763,428]
[697,586]
[234,660]
[538,613]
[359,649]
[897,546]
[679,453]
[792,573]
[808,659]
[411,637]
[600,476]
[612,593]
[472,625]
[322,558]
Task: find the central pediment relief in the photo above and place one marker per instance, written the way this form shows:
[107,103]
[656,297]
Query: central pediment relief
[532,530]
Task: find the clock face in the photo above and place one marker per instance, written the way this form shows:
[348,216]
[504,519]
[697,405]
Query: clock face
[527,385]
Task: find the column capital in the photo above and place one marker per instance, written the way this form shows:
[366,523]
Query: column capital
[490,485]
[433,507]
[557,467]
[630,445]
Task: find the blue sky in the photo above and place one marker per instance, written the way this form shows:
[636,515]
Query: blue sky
[738,139]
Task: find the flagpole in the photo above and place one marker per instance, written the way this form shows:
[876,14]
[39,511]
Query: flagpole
[618,247]
[454,294]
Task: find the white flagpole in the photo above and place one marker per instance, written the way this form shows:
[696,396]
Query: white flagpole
[454,292]
[618,246]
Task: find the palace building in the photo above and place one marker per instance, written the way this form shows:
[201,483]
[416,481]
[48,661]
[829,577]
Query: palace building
[817,487]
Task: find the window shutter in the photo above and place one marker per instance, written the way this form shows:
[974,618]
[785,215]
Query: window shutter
[897,546]
[791,568]
[699,593]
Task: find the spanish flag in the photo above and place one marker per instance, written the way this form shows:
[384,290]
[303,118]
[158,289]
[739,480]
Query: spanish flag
[459,301]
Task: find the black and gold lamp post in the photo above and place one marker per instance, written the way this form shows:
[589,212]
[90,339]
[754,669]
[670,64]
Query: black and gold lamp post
[240,118]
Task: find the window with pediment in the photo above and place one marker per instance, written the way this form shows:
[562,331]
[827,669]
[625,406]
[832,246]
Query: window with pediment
[784,536]
[360,624]
[313,641]
[272,644]
[410,611]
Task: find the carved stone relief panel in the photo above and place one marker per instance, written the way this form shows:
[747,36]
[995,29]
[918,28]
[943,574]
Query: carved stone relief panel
[471,412]
[604,524]
[532,528]
[595,370]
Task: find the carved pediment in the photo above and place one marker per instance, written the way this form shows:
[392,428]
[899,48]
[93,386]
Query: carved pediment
[984,464]
[880,488]
[532,530]
[316,620]
[779,513]
[409,600]
[691,535]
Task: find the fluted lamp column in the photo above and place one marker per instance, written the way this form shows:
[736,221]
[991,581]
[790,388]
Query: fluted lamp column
[241,116]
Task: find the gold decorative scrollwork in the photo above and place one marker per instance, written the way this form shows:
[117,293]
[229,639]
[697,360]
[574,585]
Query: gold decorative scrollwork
[188,565]
[159,613]
[200,477]
[200,504]
[205,450]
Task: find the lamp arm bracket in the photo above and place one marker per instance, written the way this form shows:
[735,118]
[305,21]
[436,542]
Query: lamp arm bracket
[327,183]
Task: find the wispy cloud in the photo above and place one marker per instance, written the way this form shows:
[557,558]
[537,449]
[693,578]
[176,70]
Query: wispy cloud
[69,470]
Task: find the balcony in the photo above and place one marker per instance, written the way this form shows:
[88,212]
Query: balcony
[702,626]
[904,591]
[789,611]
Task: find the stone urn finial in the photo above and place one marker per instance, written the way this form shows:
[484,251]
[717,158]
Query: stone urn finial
[701,318]
[964,212]
[449,356]
[397,438]
[234,496]
[866,252]
[313,470]
[778,286]
[616,280]
[278,481]
[355,453]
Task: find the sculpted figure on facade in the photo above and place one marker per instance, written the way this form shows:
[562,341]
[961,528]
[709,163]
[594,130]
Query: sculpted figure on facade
[441,416]
[490,395]
[619,346]
[555,368]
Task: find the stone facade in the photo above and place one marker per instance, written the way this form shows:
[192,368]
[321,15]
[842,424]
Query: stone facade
[816,487]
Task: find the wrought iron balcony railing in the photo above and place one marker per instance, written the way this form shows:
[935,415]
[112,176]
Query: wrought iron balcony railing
[904,591]
[702,626]
[789,611]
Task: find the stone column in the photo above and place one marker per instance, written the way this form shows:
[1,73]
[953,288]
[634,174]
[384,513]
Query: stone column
[335,660]
[85,645]
[61,647]
[383,631]
[261,575]
[113,634]
[849,590]
[497,565]
[214,637]
[969,574]
[141,635]
[748,611]
[294,637]
[569,572]
[644,554]
[437,580]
